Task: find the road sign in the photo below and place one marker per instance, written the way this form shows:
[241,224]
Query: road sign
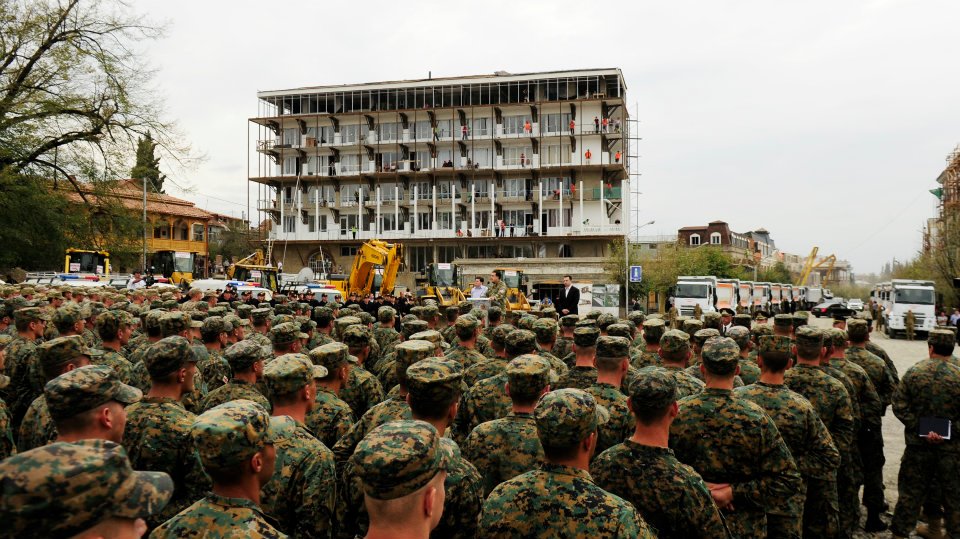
[636,274]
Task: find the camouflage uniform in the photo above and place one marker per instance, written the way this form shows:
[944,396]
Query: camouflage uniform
[363,390]
[621,423]
[301,495]
[728,439]
[930,388]
[686,385]
[20,353]
[64,489]
[497,292]
[560,501]
[215,368]
[467,357]
[581,377]
[564,344]
[158,432]
[668,494]
[241,357]
[225,437]
[7,445]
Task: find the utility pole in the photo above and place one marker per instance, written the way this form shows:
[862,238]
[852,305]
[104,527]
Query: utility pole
[143,259]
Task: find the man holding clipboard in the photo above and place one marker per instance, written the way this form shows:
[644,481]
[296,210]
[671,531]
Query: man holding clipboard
[928,404]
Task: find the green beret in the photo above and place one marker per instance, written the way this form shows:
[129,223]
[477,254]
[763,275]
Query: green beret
[398,458]
[85,388]
[566,416]
[168,355]
[290,373]
[720,355]
[227,435]
[674,341]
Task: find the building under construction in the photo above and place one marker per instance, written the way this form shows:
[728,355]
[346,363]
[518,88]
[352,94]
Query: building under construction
[487,170]
[948,195]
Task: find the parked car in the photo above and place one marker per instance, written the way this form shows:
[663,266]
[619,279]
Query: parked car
[828,308]
[855,304]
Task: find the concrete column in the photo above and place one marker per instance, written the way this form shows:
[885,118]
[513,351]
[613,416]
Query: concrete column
[415,197]
[493,205]
[433,221]
[376,225]
[396,207]
[473,206]
[360,211]
[581,206]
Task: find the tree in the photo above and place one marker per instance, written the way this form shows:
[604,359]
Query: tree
[147,167]
[777,274]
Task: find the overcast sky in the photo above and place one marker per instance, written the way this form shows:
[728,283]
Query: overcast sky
[824,122]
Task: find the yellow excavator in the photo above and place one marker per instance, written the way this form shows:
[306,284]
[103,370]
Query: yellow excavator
[87,261]
[441,284]
[516,283]
[363,278]
[255,269]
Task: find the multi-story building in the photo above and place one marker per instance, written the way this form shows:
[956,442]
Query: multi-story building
[518,169]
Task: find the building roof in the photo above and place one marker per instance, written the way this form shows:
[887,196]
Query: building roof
[130,195]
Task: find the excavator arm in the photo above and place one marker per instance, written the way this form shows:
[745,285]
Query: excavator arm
[371,254]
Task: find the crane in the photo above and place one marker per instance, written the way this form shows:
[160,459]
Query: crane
[808,267]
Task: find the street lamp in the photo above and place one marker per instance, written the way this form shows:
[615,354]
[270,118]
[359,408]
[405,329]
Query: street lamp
[626,261]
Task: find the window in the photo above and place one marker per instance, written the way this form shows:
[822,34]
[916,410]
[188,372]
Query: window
[482,157]
[556,123]
[323,223]
[318,263]
[512,155]
[348,251]
[715,238]
[289,223]
[161,230]
[446,254]
[389,131]
[481,127]
[291,136]
[197,232]
[443,128]
[514,124]
[694,239]
[349,195]
[349,133]
[417,258]
[424,221]
[481,251]
[290,166]
[389,221]
[311,223]
[423,191]
[517,251]
[444,220]
[422,130]
[444,189]
[565,251]
[556,154]
[347,223]
[515,187]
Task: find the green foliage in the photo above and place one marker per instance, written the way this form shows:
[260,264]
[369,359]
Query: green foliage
[233,243]
[32,221]
[777,274]
[147,167]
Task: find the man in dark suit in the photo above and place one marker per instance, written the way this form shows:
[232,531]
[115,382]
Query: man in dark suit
[569,299]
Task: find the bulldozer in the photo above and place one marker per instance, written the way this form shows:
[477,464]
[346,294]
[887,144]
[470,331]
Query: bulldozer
[83,261]
[441,285]
[254,268]
[516,283]
[177,266]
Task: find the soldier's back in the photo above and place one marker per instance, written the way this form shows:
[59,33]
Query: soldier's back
[331,417]
[362,391]
[504,448]
[464,496]
[467,357]
[876,369]
[37,428]
[562,347]
[219,517]
[388,410]
[234,390]
[621,423]
[686,385]
[578,378]
[485,401]
[646,358]
[484,369]
[118,363]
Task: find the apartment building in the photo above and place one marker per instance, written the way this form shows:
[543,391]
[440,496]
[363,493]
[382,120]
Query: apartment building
[521,169]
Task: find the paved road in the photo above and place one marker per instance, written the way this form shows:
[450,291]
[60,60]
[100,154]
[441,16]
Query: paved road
[904,354]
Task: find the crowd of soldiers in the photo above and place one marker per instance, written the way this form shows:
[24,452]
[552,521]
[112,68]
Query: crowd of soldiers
[133,412]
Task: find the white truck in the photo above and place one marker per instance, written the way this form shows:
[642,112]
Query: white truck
[695,290]
[909,295]
[746,295]
[728,294]
[761,298]
[814,297]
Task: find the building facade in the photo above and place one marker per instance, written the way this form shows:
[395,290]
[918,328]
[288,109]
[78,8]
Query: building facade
[528,168]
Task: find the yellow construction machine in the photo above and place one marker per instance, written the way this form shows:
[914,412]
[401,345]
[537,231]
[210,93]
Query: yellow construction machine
[516,283]
[441,284]
[254,268]
[364,278]
[177,266]
[87,261]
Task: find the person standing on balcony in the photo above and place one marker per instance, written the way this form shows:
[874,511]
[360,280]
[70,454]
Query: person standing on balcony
[588,155]
[463,132]
[436,133]
[605,122]
[596,124]
[616,156]
[527,128]
[523,159]
[573,125]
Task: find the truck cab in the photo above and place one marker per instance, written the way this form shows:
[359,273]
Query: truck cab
[910,295]
[691,291]
[776,298]
[86,262]
[761,298]
[746,295]
[728,294]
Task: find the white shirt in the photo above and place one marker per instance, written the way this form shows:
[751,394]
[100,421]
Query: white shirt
[134,285]
[566,291]
[478,292]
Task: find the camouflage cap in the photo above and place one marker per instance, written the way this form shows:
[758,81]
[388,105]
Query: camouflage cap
[366,318]
[613,347]
[243,354]
[356,336]
[291,372]
[234,321]
[526,321]
[344,322]
[452,310]
[691,326]
[244,310]
[63,489]
[702,335]
[759,330]
[85,388]
[413,327]
[742,320]
[586,336]
[428,312]
[168,355]
[675,341]
[170,304]
[775,345]
[283,319]
[593,315]
[654,327]
[941,337]
[231,433]
[545,329]
[857,330]
[430,335]
[494,314]
[286,333]
[836,337]
[637,317]
[410,352]
[800,318]
[519,342]
[62,350]
[720,355]
[5,340]
[809,336]
[783,321]
[151,320]
[569,320]
[32,314]
[712,319]
[605,320]
[740,335]
[465,306]
[398,458]
[216,325]
[386,313]
[654,389]
[566,416]
[176,322]
[586,323]
[219,310]
[620,329]
[434,379]
[260,315]
[332,356]
[528,375]
[323,315]
[466,324]
[67,315]
[499,335]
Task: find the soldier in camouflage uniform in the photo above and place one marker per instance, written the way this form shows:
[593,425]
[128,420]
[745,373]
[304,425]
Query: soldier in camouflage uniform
[363,390]
[7,445]
[806,436]
[386,334]
[507,447]
[749,371]
[323,316]
[260,318]
[692,326]
[30,323]
[246,361]
[674,349]
[140,378]
[930,388]
[545,330]
[85,489]
[331,417]
[466,330]
[495,365]
[88,403]
[583,374]
[157,431]
[734,445]
[870,438]
[612,361]
[386,368]
[114,329]
[449,332]
[497,289]
[57,357]
[179,323]
[494,316]
[653,329]
[401,467]
[909,323]
[669,495]
[215,369]
[301,496]
[561,500]
[831,508]
[564,343]
[235,442]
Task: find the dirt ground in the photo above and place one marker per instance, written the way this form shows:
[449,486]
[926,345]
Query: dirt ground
[904,354]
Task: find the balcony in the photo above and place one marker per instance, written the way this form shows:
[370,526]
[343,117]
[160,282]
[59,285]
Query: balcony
[161,244]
